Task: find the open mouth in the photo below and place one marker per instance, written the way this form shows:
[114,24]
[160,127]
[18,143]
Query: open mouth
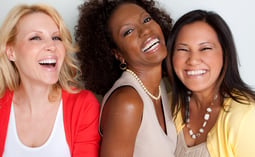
[48,62]
[151,45]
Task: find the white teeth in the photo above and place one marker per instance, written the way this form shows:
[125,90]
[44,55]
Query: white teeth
[48,61]
[196,72]
[150,45]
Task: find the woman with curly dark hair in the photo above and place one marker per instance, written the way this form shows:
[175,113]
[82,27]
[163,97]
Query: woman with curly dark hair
[122,44]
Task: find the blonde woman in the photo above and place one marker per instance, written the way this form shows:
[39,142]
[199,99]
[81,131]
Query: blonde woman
[43,109]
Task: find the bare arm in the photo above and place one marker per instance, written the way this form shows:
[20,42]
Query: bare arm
[121,120]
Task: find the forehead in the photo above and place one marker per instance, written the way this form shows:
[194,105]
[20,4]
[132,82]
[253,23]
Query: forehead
[197,29]
[36,19]
[126,11]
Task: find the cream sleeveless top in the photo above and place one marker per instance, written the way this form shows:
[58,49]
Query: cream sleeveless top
[55,146]
[151,140]
[182,150]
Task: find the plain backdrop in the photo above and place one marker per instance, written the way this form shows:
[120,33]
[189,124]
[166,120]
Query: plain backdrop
[238,15]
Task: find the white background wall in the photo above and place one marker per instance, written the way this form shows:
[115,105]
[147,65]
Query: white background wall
[238,14]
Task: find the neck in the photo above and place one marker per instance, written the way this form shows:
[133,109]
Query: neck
[150,78]
[202,100]
[155,89]
[32,96]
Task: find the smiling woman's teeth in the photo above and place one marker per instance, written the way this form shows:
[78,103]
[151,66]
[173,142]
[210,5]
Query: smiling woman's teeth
[150,45]
[196,72]
[48,62]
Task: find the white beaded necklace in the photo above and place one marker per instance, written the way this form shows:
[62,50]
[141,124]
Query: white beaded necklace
[144,88]
[206,118]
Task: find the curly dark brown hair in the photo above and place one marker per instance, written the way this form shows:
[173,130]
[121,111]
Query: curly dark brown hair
[100,68]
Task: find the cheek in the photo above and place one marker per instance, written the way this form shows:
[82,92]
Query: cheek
[218,67]
[160,32]
[216,62]
[24,54]
[178,61]
[61,50]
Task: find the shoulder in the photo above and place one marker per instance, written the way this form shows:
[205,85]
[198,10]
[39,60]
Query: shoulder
[123,104]
[80,101]
[238,113]
[239,121]
[7,97]
[122,110]
[125,97]
[84,96]
[6,100]
[236,108]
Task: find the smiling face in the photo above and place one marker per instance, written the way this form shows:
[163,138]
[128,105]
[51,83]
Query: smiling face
[37,51]
[197,57]
[139,38]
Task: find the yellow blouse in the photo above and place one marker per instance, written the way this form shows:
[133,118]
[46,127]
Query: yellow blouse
[233,135]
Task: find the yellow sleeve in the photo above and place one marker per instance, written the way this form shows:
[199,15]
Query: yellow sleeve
[244,146]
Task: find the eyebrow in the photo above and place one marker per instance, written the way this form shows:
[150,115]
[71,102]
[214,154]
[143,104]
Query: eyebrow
[207,42]
[182,44]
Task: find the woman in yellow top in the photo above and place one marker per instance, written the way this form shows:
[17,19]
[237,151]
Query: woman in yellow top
[214,109]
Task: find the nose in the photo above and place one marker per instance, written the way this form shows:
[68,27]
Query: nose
[50,45]
[194,58]
[144,30]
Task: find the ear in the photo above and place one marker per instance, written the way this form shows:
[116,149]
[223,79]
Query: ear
[118,55]
[10,53]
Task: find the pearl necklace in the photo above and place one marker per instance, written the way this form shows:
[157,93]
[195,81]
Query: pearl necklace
[206,118]
[144,88]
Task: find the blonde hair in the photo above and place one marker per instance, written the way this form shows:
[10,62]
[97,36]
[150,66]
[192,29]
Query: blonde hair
[69,78]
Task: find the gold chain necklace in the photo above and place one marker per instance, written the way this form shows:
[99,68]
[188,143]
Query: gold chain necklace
[144,88]
[206,118]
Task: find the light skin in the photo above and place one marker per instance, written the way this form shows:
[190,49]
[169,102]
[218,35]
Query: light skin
[198,61]
[38,54]
[141,45]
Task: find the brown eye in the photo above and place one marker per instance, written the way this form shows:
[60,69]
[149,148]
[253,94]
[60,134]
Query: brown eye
[127,32]
[206,48]
[146,20]
[182,49]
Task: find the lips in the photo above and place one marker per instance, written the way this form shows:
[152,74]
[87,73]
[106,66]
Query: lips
[151,45]
[48,62]
[195,72]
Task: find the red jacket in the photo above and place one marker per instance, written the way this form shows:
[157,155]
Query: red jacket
[80,113]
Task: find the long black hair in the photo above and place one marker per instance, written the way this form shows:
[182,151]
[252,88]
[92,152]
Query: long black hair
[229,81]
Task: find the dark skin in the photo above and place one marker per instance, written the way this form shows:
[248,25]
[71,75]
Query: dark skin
[123,111]
[121,121]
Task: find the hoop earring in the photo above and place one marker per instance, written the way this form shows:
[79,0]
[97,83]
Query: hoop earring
[123,66]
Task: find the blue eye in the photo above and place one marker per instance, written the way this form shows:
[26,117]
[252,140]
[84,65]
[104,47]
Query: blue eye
[35,38]
[57,38]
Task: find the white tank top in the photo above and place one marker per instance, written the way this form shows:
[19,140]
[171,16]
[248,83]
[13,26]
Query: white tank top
[55,146]
[151,140]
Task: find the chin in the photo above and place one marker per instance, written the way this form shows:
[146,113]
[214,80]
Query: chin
[51,81]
